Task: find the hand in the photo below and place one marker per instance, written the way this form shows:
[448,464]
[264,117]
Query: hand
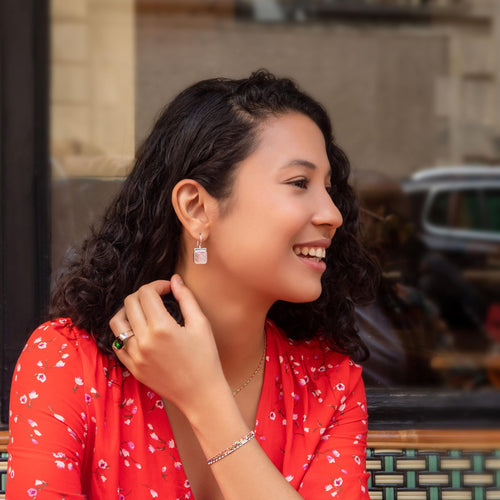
[179,363]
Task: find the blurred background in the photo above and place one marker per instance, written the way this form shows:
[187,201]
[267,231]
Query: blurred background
[413,89]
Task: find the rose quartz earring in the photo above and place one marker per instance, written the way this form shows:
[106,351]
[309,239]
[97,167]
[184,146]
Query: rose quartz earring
[200,253]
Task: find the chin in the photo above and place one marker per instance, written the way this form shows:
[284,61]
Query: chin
[309,294]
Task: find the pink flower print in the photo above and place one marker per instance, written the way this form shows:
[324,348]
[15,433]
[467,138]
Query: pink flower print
[328,487]
[159,404]
[154,436]
[289,478]
[153,493]
[60,363]
[178,465]
[340,387]
[41,377]
[32,395]
[42,345]
[357,459]
[59,464]
[101,466]
[330,459]
[32,493]
[59,417]
[338,482]
[272,415]
[151,448]
[88,398]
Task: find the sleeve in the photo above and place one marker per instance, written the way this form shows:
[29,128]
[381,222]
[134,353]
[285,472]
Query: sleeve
[47,422]
[338,466]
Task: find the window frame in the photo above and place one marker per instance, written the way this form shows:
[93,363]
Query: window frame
[24,179]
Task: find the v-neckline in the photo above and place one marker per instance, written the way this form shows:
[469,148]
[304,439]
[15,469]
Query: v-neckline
[260,405]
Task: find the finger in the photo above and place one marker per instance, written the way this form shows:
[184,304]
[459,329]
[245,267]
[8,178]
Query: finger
[134,313]
[150,297]
[119,324]
[189,306]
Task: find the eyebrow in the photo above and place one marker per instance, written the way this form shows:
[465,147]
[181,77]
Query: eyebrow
[304,163]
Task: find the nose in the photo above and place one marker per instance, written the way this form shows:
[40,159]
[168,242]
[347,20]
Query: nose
[327,213]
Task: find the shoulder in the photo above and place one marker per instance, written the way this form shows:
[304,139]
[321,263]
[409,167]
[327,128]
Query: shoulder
[58,334]
[56,344]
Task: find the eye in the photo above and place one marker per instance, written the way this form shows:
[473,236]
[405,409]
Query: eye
[301,183]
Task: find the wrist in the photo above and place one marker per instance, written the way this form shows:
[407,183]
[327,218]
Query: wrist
[217,421]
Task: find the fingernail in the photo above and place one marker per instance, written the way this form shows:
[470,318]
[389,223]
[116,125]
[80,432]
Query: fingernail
[179,279]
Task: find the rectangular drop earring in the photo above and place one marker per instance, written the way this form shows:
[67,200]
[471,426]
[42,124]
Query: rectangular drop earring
[200,253]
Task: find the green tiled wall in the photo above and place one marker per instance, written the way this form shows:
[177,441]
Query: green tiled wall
[3,473]
[416,475]
[433,475]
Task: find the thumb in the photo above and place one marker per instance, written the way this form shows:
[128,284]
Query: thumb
[190,308]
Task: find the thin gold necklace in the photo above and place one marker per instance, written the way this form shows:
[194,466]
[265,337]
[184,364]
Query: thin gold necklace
[257,370]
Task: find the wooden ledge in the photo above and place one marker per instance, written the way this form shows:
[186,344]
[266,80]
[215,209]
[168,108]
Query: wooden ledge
[4,439]
[436,439]
[428,439]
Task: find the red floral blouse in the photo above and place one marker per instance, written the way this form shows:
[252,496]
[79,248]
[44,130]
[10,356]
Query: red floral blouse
[81,426]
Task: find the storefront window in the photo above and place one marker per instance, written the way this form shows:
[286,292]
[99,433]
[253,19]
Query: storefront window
[411,87]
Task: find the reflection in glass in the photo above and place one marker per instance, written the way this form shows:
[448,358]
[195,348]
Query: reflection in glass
[387,72]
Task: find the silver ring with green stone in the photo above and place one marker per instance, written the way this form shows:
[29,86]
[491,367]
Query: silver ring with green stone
[120,341]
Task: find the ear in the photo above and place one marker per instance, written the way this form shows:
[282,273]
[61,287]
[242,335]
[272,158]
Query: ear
[194,207]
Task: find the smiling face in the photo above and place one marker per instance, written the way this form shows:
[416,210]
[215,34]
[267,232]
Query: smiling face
[280,218]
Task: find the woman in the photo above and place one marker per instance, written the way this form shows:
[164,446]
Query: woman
[201,341]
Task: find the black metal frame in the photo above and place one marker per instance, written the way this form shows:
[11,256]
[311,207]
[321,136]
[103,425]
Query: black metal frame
[407,408]
[24,178]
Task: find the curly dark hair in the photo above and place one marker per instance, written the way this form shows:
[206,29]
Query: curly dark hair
[203,134]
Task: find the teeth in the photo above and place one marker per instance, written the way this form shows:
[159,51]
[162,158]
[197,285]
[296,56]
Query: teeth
[317,252]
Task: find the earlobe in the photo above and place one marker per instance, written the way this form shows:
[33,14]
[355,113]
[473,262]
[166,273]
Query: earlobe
[191,204]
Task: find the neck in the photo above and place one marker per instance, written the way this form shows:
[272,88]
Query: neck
[237,320]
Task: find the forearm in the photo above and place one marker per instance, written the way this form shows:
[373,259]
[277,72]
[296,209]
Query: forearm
[247,473]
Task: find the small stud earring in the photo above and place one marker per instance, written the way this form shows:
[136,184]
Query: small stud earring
[200,253]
